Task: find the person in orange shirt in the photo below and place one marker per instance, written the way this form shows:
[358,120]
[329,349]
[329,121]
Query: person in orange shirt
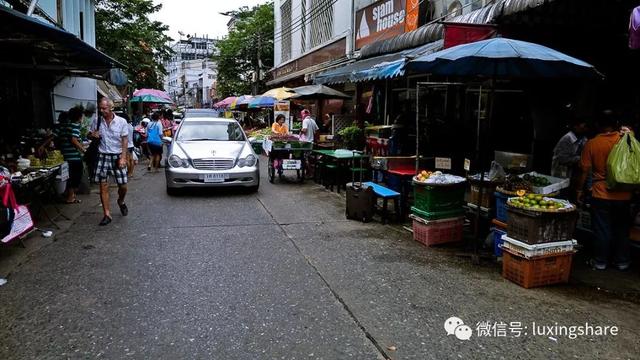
[610,208]
[279,126]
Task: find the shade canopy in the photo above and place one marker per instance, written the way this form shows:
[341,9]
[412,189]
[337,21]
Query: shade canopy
[152,92]
[150,99]
[262,102]
[280,93]
[503,58]
[318,92]
[225,102]
[240,102]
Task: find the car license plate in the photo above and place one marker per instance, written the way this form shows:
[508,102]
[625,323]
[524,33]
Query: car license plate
[215,178]
[289,164]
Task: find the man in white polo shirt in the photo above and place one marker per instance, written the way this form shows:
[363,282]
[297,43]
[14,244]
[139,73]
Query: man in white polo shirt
[113,133]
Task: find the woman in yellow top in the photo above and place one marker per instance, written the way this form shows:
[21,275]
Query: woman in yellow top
[279,127]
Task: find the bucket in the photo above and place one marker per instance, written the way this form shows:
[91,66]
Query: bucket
[61,185]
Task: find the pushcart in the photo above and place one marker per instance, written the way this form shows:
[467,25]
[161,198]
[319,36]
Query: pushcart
[287,155]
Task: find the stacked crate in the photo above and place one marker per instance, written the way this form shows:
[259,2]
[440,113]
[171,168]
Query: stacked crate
[538,247]
[437,213]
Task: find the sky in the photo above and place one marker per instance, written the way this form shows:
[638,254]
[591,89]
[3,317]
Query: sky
[199,17]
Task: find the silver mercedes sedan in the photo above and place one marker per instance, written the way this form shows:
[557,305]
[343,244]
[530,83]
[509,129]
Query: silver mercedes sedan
[210,152]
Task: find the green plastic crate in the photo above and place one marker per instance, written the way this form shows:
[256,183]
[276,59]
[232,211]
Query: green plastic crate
[437,215]
[438,198]
[257,147]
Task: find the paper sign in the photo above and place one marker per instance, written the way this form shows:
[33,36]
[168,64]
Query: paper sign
[443,163]
[64,171]
[467,164]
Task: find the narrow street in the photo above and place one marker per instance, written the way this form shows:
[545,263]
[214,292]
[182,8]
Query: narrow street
[277,274]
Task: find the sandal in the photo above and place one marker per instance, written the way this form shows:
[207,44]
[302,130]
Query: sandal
[123,209]
[105,221]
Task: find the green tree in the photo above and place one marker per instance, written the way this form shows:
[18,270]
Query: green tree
[246,50]
[125,32]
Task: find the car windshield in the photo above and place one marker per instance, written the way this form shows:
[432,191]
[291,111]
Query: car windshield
[210,131]
[201,114]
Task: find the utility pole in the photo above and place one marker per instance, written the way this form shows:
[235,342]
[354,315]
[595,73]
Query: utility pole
[257,72]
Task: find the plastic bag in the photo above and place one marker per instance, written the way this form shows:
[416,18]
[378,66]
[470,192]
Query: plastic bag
[623,163]
[496,173]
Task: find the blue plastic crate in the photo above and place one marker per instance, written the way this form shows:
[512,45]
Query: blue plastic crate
[501,206]
[497,241]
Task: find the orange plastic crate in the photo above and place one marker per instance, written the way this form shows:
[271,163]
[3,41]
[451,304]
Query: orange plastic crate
[436,232]
[539,271]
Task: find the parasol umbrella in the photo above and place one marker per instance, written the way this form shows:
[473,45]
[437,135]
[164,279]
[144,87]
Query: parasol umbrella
[280,93]
[150,99]
[503,58]
[152,92]
[262,102]
[498,58]
[240,101]
[225,102]
[317,92]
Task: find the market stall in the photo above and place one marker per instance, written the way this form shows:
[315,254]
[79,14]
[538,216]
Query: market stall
[286,153]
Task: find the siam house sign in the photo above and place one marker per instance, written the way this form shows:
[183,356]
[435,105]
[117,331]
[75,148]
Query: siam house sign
[380,20]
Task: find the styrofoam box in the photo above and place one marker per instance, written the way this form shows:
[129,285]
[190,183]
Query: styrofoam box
[557,184]
[530,251]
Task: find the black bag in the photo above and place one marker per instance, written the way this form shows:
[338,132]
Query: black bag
[361,201]
[91,155]
[7,215]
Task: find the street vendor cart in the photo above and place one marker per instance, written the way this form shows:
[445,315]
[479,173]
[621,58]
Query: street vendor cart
[286,153]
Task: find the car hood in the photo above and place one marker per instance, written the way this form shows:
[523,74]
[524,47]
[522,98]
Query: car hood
[212,149]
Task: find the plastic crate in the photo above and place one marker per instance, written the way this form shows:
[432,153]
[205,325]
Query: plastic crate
[501,206]
[434,232]
[438,198]
[498,241]
[540,271]
[257,147]
[473,195]
[437,215]
[532,251]
[534,227]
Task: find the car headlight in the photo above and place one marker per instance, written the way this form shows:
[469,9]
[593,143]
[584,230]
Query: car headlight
[176,161]
[249,161]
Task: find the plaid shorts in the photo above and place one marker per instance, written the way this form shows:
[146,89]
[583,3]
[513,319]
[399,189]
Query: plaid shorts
[108,165]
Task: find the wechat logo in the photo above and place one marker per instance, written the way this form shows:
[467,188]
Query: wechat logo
[455,326]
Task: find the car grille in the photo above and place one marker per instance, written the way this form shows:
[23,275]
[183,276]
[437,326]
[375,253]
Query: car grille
[213,164]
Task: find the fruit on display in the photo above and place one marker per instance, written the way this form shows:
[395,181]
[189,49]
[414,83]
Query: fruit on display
[537,181]
[259,134]
[538,202]
[423,176]
[515,183]
[54,158]
[34,161]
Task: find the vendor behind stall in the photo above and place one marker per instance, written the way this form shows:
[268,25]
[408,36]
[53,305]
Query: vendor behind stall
[68,140]
[279,127]
[566,154]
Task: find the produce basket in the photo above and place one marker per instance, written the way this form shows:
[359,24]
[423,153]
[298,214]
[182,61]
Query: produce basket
[436,198]
[554,184]
[436,232]
[536,227]
[540,271]
[532,251]
[437,215]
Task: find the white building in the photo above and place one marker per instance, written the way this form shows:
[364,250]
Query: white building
[192,57]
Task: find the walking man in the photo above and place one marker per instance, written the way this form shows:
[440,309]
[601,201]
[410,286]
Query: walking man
[112,132]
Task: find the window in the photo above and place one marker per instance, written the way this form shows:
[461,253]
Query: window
[285,31]
[455,9]
[303,25]
[212,131]
[321,21]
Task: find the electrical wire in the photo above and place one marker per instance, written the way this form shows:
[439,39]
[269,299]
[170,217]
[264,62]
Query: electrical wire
[312,14]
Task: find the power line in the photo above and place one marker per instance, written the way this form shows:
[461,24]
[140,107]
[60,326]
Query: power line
[314,13]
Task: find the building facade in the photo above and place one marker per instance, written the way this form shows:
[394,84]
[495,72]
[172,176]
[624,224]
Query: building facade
[190,62]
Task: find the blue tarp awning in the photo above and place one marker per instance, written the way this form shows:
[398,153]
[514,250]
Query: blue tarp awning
[379,67]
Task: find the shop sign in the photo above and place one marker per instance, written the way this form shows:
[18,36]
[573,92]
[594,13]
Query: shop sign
[467,165]
[380,20]
[413,13]
[443,163]
[64,171]
[283,107]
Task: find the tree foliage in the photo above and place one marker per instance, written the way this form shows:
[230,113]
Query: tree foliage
[247,48]
[125,32]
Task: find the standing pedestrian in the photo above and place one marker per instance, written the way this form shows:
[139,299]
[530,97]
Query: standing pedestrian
[610,208]
[130,150]
[111,130]
[309,126]
[68,141]
[154,141]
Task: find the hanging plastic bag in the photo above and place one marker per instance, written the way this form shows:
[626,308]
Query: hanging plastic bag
[496,173]
[623,163]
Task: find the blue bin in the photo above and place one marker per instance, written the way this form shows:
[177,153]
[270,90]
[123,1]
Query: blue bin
[501,206]
[497,241]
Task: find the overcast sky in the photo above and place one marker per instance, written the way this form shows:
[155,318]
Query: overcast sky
[198,16]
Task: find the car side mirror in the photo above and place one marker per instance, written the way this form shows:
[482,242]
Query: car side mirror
[167,139]
[252,139]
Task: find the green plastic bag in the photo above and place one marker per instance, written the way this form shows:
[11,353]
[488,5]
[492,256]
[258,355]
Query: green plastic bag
[623,163]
